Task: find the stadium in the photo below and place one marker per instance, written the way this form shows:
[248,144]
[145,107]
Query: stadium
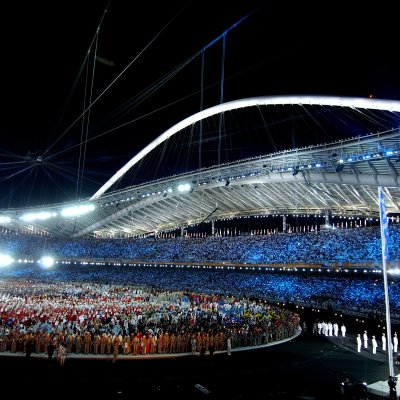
[237,250]
[183,234]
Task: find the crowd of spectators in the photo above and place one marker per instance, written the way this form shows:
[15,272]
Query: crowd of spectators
[362,244]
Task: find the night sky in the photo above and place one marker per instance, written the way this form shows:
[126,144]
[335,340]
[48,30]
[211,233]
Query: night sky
[49,153]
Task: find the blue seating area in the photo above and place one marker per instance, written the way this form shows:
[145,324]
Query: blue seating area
[349,245]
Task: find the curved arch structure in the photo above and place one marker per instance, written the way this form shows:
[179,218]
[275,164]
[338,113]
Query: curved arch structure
[339,179]
[349,102]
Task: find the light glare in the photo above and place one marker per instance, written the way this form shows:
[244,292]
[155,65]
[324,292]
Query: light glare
[47,262]
[5,260]
[77,210]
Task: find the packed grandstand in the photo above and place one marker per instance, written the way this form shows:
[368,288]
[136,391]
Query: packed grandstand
[352,247]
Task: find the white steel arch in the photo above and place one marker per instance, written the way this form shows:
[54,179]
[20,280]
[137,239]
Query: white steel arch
[349,102]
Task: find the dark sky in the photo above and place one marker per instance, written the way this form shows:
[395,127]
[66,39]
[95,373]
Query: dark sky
[138,90]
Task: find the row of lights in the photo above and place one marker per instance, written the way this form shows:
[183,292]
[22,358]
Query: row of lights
[6,260]
[340,162]
[68,212]
[47,262]
[181,188]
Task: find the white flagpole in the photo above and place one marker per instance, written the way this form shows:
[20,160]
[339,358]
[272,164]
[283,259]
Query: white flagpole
[384,232]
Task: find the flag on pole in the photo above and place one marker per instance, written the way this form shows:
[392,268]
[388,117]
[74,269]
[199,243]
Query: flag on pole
[384,225]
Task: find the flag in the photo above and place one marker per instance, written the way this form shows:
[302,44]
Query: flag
[384,225]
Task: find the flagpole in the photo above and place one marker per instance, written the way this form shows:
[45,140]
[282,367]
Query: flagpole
[384,234]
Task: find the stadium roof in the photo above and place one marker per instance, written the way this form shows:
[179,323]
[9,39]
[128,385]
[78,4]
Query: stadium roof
[336,178]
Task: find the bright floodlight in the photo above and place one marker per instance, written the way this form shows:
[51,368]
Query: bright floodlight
[42,215]
[75,211]
[4,219]
[394,271]
[47,262]
[5,260]
[184,187]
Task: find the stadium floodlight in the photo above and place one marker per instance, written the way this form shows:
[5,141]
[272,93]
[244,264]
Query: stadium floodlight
[4,219]
[47,262]
[394,271]
[41,215]
[5,260]
[184,187]
[75,211]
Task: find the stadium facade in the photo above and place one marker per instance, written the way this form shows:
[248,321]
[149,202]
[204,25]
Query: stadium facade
[339,178]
